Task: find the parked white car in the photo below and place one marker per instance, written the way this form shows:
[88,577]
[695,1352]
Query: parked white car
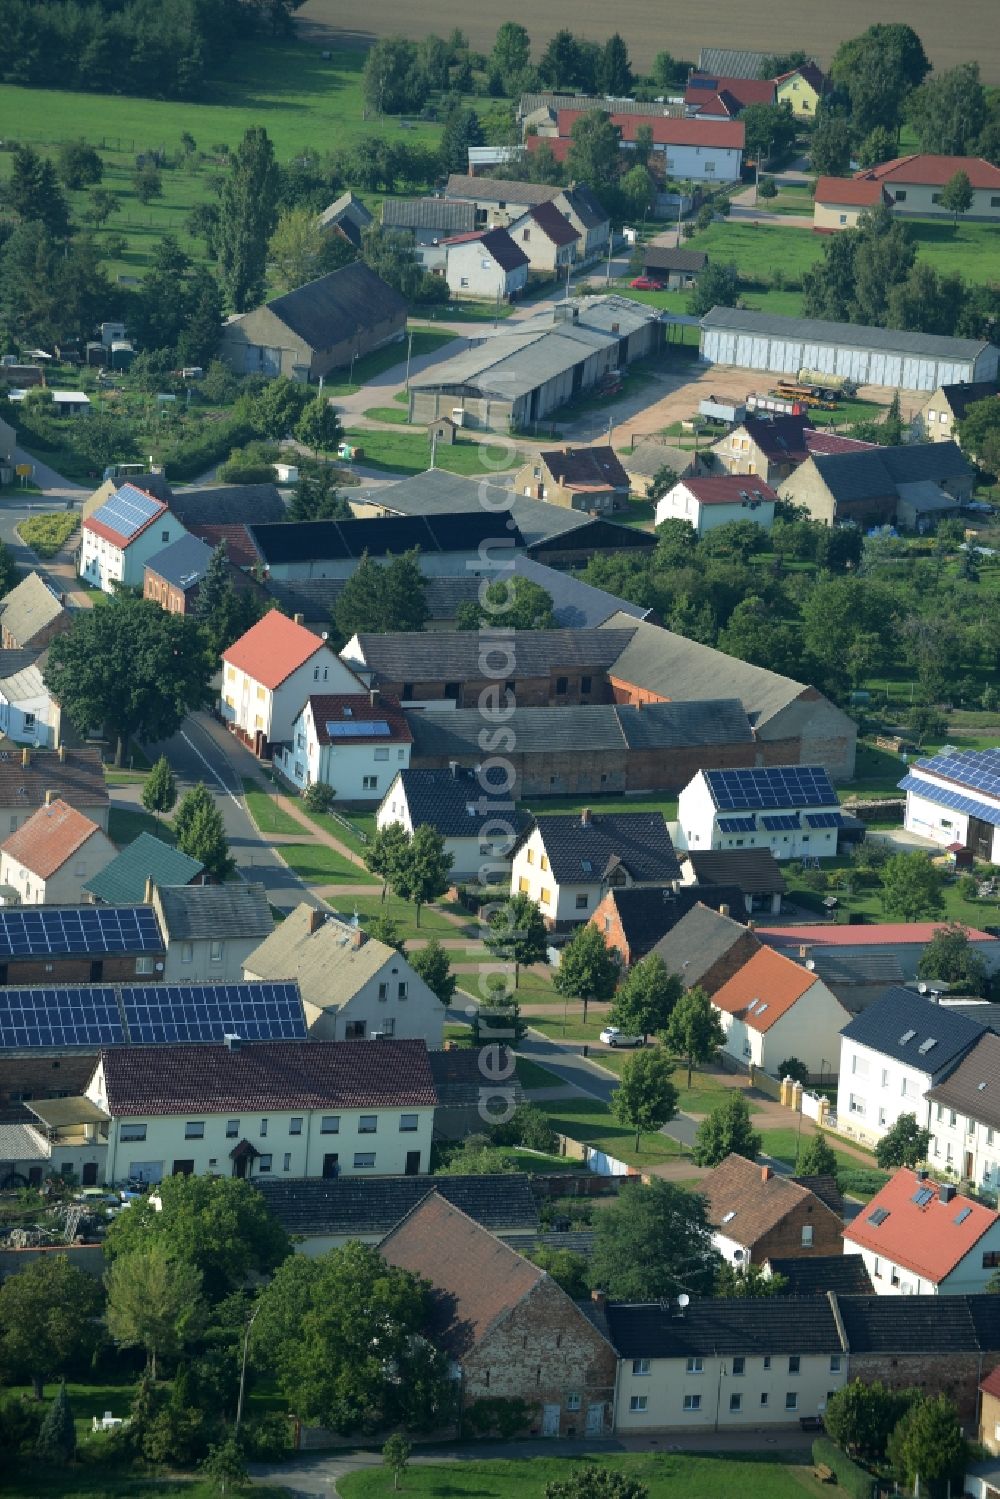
[612,1036]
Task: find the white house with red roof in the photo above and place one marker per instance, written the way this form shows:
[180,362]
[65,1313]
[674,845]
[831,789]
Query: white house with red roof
[486,263]
[915,184]
[354,742]
[707,504]
[918,1237]
[269,673]
[772,1010]
[121,536]
[50,857]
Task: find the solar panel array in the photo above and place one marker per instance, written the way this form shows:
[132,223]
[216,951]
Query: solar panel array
[163,1013]
[356,728]
[781,822]
[780,786]
[127,511]
[150,1014]
[825,820]
[60,1017]
[27,932]
[943,796]
[737,825]
[979,769]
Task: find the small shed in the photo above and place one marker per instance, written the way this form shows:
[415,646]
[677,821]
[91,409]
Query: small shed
[442,429]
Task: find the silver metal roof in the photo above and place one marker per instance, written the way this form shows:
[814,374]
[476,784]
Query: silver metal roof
[816,330]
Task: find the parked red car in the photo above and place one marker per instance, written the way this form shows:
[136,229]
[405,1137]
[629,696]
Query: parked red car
[646,283]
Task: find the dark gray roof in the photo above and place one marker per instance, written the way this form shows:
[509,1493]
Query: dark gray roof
[458,1077]
[333,308]
[452,803]
[584,727]
[697,942]
[374,1205]
[659,258]
[752,870]
[920,1324]
[575,1240]
[900,1023]
[586,205]
[496,190]
[314,598]
[348,214]
[29,607]
[875,472]
[192,913]
[553,223]
[307,540]
[731,62]
[816,1276]
[227,504]
[508,255]
[974,1087]
[961,397]
[420,657]
[429,213]
[817,331]
[748,1326]
[13,661]
[583,852]
[575,604]
[184,563]
[646,913]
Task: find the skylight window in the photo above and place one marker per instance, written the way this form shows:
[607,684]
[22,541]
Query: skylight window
[922,1196]
[965,1213]
[981,1087]
[878,1217]
[926,1046]
[761,1009]
[728,1217]
[906,1036]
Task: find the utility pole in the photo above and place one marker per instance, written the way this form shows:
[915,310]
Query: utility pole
[243,1368]
[409,351]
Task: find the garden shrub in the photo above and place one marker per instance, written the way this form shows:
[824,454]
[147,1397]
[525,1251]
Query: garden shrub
[851,1477]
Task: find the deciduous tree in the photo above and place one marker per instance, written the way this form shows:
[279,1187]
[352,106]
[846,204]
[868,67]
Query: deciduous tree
[423,869]
[727,1130]
[594,151]
[860,1417]
[717,286]
[431,962]
[652,1243]
[48,1316]
[911,888]
[79,165]
[381,597]
[646,1098]
[155,1302]
[927,1445]
[587,969]
[396,1456]
[957,196]
[694,1030]
[905,1144]
[159,792]
[950,956]
[949,111]
[296,247]
[512,603]
[516,933]
[511,52]
[816,1157]
[319,425]
[384,853]
[646,998]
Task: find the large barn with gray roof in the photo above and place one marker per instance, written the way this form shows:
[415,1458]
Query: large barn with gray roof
[868,356]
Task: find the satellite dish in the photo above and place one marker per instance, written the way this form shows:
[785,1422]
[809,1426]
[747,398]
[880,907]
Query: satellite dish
[683,1300]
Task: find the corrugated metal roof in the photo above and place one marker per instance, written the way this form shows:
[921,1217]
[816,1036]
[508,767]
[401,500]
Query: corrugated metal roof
[816,330]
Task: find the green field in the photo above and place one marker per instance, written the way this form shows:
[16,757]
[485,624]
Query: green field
[410,453]
[668,1476]
[269,817]
[47,534]
[433,923]
[425,341]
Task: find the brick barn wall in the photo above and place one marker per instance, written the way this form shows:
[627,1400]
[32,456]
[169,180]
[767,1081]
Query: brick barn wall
[956,1375]
[114,970]
[785,1240]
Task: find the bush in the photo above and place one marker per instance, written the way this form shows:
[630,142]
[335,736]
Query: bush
[189,459]
[498,1416]
[48,534]
[861,1181]
[267,1439]
[852,1478]
[528,1127]
[319,797]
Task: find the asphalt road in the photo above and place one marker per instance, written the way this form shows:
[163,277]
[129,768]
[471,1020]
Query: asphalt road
[204,751]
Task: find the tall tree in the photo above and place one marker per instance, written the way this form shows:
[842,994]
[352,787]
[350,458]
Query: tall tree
[816,1157]
[424,867]
[431,962]
[587,969]
[342,1335]
[396,1457]
[559,65]
[511,53]
[653,1242]
[247,213]
[927,1447]
[57,1438]
[694,1030]
[382,597]
[132,667]
[392,81]
[48,1315]
[201,834]
[770,130]
[516,933]
[316,498]
[79,165]
[384,853]
[949,111]
[717,286]
[878,71]
[727,1130]
[33,192]
[646,1098]
[159,793]
[595,151]
[319,425]
[155,1302]
[957,195]
[614,71]
[911,888]
[514,603]
[830,146]
[647,997]
[462,129]
[950,956]
[296,247]
[905,1144]
[860,1417]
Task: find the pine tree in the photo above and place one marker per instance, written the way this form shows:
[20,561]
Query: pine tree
[192,802]
[204,839]
[160,791]
[212,587]
[57,1438]
[247,214]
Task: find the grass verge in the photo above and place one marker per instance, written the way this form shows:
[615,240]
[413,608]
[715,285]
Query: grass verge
[410,453]
[319,865]
[268,816]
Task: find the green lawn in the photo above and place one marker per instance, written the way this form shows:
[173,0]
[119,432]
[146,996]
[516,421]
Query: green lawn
[269,817]
[369,907]
[410,453]
[667,1475]
[531,1075]
[319,865]
[592,1122]
[466,311]
[425,341]
[394,415]
[126,823]
[867,901]
[361,822]
[596,803]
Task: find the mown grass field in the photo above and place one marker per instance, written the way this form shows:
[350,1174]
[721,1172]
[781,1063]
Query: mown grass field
[410,453]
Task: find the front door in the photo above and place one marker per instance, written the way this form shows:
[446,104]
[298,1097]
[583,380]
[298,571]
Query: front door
[595,1420]
[980,838]
[331,1165]
[968,1165]
[184,1168]
[413,1163]
[550,1420]
[89,1175]
[96,971]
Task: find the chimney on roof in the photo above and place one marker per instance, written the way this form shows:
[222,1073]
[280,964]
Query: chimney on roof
[453,767]
[724,909]
[299,619]
[26,756]
[585,818]
[803,949]
[766,1173]
[316,920]
[50,796]
[372,696]
[358,936]
[148,893]
[233,1043]
[923,1174]
[62,754]
[946,1192]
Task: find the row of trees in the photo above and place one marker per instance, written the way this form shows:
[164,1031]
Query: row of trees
[414,865]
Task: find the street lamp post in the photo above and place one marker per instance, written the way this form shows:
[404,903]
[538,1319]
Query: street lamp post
[409,351]
[243,1367]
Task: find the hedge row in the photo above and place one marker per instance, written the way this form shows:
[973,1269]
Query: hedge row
[188,460]
[852,1478]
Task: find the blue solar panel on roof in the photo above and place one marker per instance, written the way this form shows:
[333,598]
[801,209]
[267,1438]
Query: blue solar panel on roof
[160,1013]
[127,511]
[943,796]
[825,820]
[737,825]
[91,929]
[81,1016]
[979,769]
[781,822]
[353,728]
[780,786]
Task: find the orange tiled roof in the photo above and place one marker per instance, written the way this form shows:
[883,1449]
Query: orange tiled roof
[927,1237]
[272,649]
[770,983]
[48,838]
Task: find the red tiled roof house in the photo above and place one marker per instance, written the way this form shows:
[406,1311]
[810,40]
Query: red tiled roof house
[269,673]
[708,503]
[921,1238]
[355,742]
[120,537]
[50,857]
[773,1009]
[510,1330]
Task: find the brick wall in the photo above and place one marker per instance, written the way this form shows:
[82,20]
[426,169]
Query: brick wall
[785,1240]
[731,962]
[543,1352]
[113,970]
[956,1375]
[608,922]
[530,692]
